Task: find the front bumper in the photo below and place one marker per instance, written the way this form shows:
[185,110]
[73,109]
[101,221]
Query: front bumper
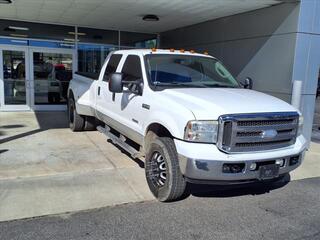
[204,162]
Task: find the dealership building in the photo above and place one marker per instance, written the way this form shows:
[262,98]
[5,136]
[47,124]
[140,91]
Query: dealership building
[44,42]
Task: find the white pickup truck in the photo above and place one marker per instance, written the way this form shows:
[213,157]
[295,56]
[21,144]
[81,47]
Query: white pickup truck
[190,118]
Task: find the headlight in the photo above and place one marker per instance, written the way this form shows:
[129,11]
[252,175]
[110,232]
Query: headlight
[201,131]
[300,125]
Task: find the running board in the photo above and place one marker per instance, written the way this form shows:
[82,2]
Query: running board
[120,141]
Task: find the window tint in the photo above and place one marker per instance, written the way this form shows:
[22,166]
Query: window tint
[132,68]
[112,66]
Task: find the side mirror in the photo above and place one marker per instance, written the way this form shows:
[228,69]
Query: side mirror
[115,83]
[248,83]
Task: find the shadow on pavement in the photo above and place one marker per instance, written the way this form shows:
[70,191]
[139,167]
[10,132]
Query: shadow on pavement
[214,191]
[12,126]
[46,120]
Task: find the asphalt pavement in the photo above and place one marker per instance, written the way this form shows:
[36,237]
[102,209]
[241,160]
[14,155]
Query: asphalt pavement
[285,211]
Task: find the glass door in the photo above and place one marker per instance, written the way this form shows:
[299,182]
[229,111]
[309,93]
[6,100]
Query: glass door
[51,72]
[14,79]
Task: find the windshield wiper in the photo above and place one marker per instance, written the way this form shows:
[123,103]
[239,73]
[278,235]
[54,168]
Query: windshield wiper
[184,84]
[218,85]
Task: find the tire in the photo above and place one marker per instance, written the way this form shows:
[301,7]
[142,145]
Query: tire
[163,173]
[90,124]
[76,122]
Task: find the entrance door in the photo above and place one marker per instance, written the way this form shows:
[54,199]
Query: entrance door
[51,72]
[14,79]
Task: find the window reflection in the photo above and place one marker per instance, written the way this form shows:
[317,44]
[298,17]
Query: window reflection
[14,77]
[52,74]
[91,57]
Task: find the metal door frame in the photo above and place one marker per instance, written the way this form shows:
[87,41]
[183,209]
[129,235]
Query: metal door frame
[15,107]
[48,107]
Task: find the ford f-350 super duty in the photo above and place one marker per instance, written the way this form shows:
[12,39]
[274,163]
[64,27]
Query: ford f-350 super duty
[190,119]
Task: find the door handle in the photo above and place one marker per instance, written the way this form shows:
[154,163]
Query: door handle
[98,91]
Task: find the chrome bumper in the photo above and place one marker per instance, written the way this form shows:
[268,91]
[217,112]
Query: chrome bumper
[197,170]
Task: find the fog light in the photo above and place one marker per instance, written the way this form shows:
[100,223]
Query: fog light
[280,162]
[233,167]
[226,168]
[253,166]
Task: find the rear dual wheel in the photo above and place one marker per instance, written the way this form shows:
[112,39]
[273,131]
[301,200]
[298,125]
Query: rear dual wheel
[76,121]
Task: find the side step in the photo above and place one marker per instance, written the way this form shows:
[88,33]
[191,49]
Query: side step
[120,141]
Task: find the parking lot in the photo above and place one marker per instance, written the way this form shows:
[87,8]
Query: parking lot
[47,169]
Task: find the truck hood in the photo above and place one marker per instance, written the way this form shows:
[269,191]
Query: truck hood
[210,103]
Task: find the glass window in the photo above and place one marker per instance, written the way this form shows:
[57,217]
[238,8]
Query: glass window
[52,74]
[112,66]
[14,75]
[186,70]
[132,68]
[22,29]
[93,48]
[91,57]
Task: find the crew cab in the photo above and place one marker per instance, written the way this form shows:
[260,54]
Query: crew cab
[189,117]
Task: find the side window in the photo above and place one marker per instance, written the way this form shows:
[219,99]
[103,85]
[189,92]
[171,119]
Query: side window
[132,68]
[112,66]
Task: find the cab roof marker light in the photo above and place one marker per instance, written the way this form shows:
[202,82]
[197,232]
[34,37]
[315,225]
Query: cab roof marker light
[205,53]
[153,49]
[192,51]
[182,50]
[171,50]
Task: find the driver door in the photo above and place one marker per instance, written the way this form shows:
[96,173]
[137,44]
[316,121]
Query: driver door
[128,103]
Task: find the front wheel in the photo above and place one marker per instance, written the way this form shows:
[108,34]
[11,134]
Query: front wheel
[162,170]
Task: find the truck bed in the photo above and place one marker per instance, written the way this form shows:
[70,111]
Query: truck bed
[81,84]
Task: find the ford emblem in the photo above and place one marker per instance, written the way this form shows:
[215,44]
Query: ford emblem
[268,134]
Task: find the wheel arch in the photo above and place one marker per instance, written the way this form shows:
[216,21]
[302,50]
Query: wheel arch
[154,130]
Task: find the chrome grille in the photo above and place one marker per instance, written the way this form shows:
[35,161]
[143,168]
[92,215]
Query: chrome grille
[257,132]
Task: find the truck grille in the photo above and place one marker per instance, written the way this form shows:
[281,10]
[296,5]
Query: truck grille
[257,132]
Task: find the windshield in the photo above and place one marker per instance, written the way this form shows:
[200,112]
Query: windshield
[187,71]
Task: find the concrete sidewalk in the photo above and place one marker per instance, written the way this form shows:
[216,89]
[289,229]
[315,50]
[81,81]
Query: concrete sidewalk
[47,169]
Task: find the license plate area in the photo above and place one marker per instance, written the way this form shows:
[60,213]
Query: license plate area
[269,171]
